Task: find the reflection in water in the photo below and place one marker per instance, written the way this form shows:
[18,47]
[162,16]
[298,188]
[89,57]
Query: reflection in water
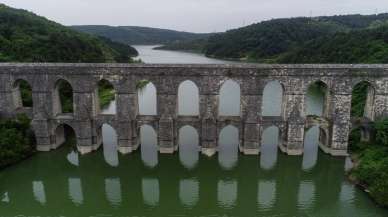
[109,141]
[39,192]
[189,192]
[229,99]
[272,99]
[306,195]
[113,191]
[188,99]
[228,147]
[147,100]
[269,148]
[73,157]
[347,193]
[188,146]
[227,193]
[310,154]
[267,194]
[75,191]
[149,145]
[5,198]
[150,189]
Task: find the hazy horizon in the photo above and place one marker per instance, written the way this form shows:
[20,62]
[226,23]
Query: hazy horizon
[199,16]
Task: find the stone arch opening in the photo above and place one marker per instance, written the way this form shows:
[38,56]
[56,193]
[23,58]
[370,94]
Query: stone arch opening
[22,94]
[188,99]
[147,98]
[315,137]
[65,135]
[317,99]
[273,99]
[269,147]
[358,137]
[363,95]
[106,97]
[63,97]
[230,99]
[149,145]
[109,139]
[228,146]
[188,146]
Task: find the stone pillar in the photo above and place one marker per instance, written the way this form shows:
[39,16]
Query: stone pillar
[6,100]
[340,117]
[251,101]
[126,102]
[381,99]
[167,101]
[209,112]
[84,114]
[294,109]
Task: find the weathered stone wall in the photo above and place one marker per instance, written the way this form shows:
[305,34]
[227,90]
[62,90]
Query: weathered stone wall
[86,119]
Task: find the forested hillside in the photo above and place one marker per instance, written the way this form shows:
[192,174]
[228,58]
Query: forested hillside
[134,35]
[26,37]
[293,40]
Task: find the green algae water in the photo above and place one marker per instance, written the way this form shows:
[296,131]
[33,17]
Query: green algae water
[62,183]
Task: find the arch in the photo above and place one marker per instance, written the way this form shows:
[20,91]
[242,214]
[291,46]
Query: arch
[188,99]
[147,98]
[317,99]
[273,99]
[363,95]
[63,97]
[110,142]
[315,137]
[230,99]
[105,97]
[269,147]
[65,134]
[188,142]
[148,145]
[22,94]
[228,145]
[358,137]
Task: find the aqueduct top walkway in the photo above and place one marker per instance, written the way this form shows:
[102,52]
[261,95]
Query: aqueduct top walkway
[86,119]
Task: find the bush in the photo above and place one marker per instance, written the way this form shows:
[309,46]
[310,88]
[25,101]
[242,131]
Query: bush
[16,140]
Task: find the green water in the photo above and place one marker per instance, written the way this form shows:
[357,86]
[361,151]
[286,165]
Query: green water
[61,183]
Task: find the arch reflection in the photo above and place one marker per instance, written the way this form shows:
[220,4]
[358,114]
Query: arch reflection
[149,145]
[227,193]
[267,194]
[39,192]
[189,192]
[110,145]
[188,146]
[113,191]
[311,148]
[75,191]
[150,190]
[306,195]
[228,145]
[269,148]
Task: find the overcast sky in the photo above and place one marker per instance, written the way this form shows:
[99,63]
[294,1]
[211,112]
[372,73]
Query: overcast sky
[190,15]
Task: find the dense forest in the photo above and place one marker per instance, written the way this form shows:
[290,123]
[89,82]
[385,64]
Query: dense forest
[338,39]
[135,35]
[26,37]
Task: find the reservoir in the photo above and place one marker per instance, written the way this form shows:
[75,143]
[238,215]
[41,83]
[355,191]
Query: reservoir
[146,183]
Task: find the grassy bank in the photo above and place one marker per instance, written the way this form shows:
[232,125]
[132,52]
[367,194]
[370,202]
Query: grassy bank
[16,140]
[371,163]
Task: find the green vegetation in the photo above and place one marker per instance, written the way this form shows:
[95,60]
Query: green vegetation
[334,39]
[16,140]
[106,93]
[138,35]
[25,93]
[66,96]
[140,85]
[359,97]
[26,37]
[372,169]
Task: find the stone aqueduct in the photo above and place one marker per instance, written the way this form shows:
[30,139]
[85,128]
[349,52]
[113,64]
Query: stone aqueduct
[86,120]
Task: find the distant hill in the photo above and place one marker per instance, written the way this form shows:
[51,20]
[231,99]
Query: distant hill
[281,39]
[26,37]
[134,35]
